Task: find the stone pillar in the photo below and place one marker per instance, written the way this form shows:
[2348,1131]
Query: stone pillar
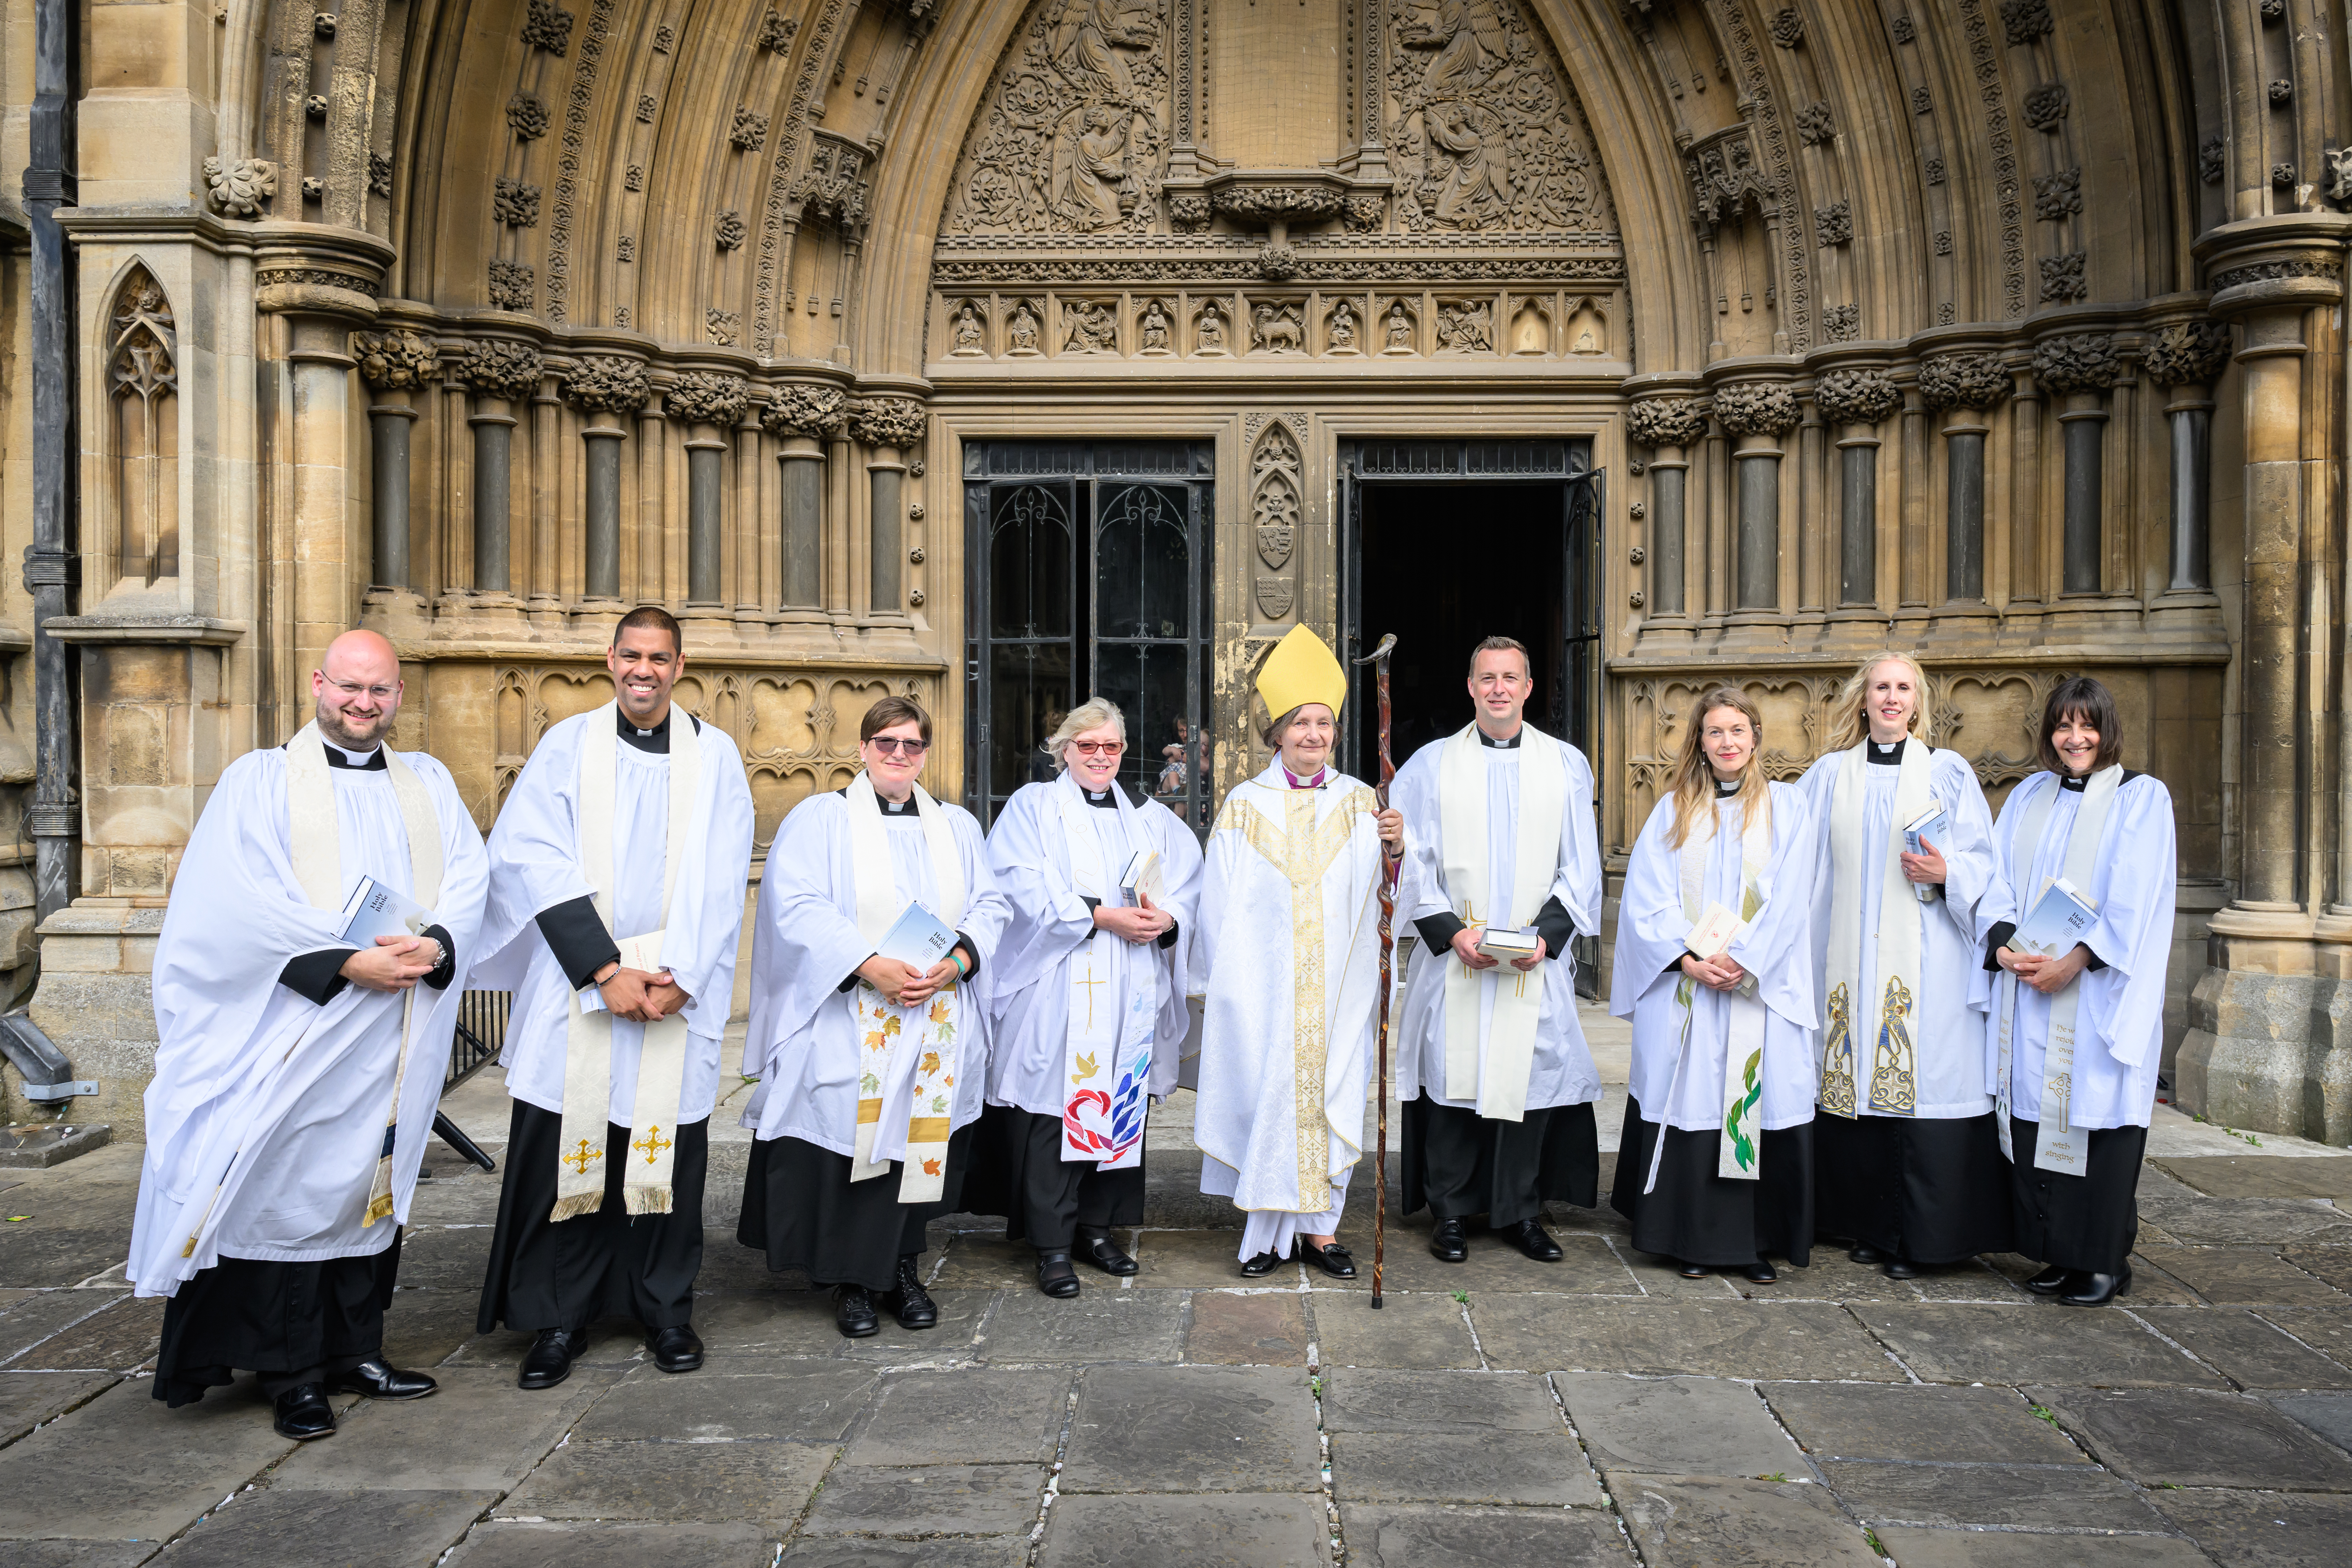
[1857,400]
[1667,426]
[890,427]
[707,401]
[606,389]
[501,374]
[2080,368]
[2188,357]
[394,364]
[1961,387]
[1757,414]
[802,416]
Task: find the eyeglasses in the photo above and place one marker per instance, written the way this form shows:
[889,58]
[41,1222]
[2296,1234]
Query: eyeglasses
[889,745]
[352,692]
[1098,748]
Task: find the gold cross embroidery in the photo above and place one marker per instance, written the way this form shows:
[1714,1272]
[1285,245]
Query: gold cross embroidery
[653,1144]
[582,1157]
[1090,982]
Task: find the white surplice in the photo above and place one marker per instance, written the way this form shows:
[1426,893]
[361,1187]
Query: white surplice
[1290,987]
[1652,927]
[802,1043]
[1561,1070]
[1946,1032]
[535,866]
[1049,925]
[273,1102]
[2119,1020]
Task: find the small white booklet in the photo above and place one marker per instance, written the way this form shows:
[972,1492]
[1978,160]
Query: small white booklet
[2062,918]
[1143,880]
[1714,933]
[1929,826]
[1506,943]
[375,911]
[918,938]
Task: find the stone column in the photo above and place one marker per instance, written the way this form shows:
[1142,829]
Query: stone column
[1857,400]
[891,427]
[1667,426]
[501,374]
[802,416]
[394,364]
[606,389]
[1961,387]
[1757,414]
[707,402]
[2079,369]
[2188,357]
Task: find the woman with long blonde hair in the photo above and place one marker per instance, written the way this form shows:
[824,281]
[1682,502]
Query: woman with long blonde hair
[1906,1155]
[1715,1166]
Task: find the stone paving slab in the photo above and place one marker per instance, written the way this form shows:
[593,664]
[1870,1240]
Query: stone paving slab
[954,1340]
[762,1483]
[2327,1329]
[1255,1328]
[2043,1342]
[2243,1276]
[611,1343]
[1383,1535]
[505,1545]
[2070,1496]
[1676,1427]
[1362,1400]
[1934,1424]
[786,1322]
[2263,1530]
[968,1415]
[122,1337]
[984,1260]
[44,1255]
[478,1434]
[426,1328]
[2193,1219]
[1198,1532]
[2191,1437]
[38,1315]
[1834,1277]
[2332,1264]
[1407,1331]
[1709,1338]
[1687,1522]
[797,1400]
[1662,1280]
[2260,1176]
[29,1398]
[1587,1266]
[1155,1429]
[2329,1415]
[1978,1279]
[1981,1549]
[870,1552]
[350,1528]
[76,1554]
[446,1258]
[1196,1260]
[123,1465]
[936,1499]
[2248,1350]
[1539,1470]
[1100,1326]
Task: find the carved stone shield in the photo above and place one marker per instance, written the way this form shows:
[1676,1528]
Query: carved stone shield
[1274,544]
[1273,597]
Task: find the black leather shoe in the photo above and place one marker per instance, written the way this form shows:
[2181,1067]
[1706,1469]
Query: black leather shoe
[676,1348]
[1533,1241]
[1759,1273]
[1056,1277]
[907,1300]
[2086,1290]
[1335,1259]
[303,1413]
[1862,1252]
[1904,1268]
[1447,1243]
[1693,1270]
[1264,1264]
[1104,1254]
[548,1360]
[379,1379]
[2049,1281]
[853,1312]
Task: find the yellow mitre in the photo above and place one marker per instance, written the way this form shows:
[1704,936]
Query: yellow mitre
[1301,669]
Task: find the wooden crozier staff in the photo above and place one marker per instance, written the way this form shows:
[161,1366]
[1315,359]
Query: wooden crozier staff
[1379,658]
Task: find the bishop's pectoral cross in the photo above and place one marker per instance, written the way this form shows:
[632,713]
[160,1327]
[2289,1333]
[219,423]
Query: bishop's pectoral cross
[1090,982]
[580,1159]
[653,1144]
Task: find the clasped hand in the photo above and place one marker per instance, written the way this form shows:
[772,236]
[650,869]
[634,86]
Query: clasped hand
[1721,972]
[1466,948]
[902,984]
[642,996]
[1134,924]
[2047,975]
[395,964]
[1925,870]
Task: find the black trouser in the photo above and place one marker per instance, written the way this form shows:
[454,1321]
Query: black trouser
[2089,1222]
[290,1323]
[1018,1171]
[1461,1164]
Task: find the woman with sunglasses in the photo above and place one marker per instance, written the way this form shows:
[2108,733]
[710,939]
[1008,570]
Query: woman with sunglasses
[870,1065]
[1086,993]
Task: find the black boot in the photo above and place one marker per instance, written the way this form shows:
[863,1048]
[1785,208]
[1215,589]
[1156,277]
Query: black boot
[907,1299]
[2049,1281]
[2087,1289]
[853,1312]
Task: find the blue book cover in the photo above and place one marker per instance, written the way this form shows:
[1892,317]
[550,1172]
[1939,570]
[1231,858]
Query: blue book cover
[918,938]
[375,911]
[2061,918]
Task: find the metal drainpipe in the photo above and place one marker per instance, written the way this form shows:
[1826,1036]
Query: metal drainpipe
[54,818]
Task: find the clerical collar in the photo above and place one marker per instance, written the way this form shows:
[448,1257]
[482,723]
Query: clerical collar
[1510,745]
[896,807]
[2074,782]
[1316,783]
[1888,756]
[656,740]
[371,762]
[1105,799]
[1725,787]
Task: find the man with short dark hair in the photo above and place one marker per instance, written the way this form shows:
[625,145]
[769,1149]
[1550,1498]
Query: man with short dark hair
[616,897]
[1502,870]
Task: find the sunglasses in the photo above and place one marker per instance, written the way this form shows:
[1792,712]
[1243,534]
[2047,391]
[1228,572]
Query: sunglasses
[889,745]
[1098,748]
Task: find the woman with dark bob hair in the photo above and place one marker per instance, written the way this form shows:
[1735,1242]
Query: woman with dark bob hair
[2078,931]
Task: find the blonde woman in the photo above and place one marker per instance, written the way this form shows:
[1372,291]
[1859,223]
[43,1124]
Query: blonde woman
[1906,1157]
[1715,1166]
[1087,988]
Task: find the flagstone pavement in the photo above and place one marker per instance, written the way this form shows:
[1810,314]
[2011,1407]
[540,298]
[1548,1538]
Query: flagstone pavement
[1598,1410]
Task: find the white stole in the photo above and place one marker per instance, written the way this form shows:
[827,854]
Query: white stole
[1103,1126]
[315,842]
[1501,1091]
[2058,1145]
[1741,1155]
[1894,1074]
[588,1037]
[923,1058]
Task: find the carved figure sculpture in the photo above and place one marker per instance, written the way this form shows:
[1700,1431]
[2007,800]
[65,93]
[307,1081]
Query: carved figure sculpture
[1400,328]
[1209,332]
[1092,330]
[1020,332]
[1276,329]
[1341,332]
[969,331]
[1090,186]
[1154,326]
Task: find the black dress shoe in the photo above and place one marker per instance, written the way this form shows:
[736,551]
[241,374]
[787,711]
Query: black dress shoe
[303,1413]
[1693,1270]
[1264,1264]
[1759,1273]
[2049,1281]
[379,1379]
[1532,1240]
[1447,1243]
[1335,1259]
[548,1360]
[676,1348]
[853,1312]
[1862,1252]
[1904,1268]
[2088,1289]
[1056,1277]
[907,1300]
[1104,1254]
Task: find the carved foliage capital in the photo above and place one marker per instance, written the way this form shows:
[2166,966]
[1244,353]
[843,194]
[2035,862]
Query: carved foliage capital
[798,408]
[607,384]
[237,187]
[707,397]
[1963,381]
[1757,408]
[888,422]
[2080,362]
[1857,397]
[1666,422]
[497,367]
[394,361]
[2187,354]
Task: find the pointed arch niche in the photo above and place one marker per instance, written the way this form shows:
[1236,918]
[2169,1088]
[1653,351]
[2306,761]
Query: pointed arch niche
[142,433]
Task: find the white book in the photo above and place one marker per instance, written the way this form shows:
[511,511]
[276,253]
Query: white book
[374,909]
[917,939]
[1929,826]
[1143,880]
[2061,918]
[1714,933]
[1506,942]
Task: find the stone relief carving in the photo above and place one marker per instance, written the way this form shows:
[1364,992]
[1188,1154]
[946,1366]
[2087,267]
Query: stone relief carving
[665,38]
[577,101]
[2187,354]
[1666,422]
[1789,29]
[497,367]
[1189,211]
[1073,139]
[633,178]
[2274,272]
[1833,225]
[776,32]
[888,422]
[1340,327]
[2282,92]
[2337,165]
[1857,396]
[515,204]
[2008,187]
[2025,20]
[1905,29]
[1943,242]
[323,24]
[2080,362]
[1963,381]
[1277,328]
[722,326]
[1364,212]
[970,329]
[705,397]
[1757,408]
[238,188]
[1466,326]
[832,186]
[607,384]
[1400,331]
[750,130]
[527,117]
[1934,168]
[1487,132]
[1209,331]
[1817,124]
[316,278]
[1273,597]
[394,361]
[626,247]
[314,189]
[1843,322]
[2062,279]
[1277,480]
[2046,105]
[728,231]
[2282,177]
[1021,332]
[315,106]
[1277,264]
[380,174]
[2208,159]
[1154,329]
[548,27]
[513,285]
[1723,178]
[1089,327]
[798,408]
[2058,196]
[647,106]
[1922,101]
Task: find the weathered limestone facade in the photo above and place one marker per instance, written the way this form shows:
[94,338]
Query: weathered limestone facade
[2006,331]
